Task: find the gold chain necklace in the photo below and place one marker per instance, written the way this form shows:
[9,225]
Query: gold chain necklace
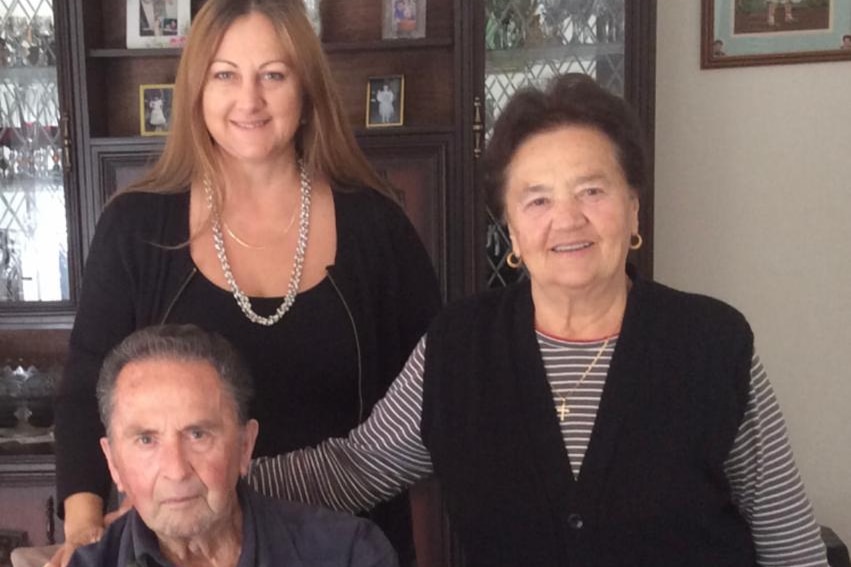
[564,409]
[245,244]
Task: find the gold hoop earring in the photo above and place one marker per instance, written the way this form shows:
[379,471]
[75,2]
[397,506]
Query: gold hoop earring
[635,241]
[513,260]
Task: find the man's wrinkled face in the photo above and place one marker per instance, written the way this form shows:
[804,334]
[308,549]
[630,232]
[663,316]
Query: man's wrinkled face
[175,445]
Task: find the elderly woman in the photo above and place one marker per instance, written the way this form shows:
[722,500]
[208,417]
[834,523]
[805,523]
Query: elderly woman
[585,416]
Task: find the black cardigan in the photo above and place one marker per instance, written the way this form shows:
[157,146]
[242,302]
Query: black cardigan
[652,489]
[381,270]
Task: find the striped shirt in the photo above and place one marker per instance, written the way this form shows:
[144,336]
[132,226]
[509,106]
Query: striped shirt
[386,454]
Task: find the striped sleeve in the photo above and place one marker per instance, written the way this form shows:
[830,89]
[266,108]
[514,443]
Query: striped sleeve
[376,461]
[766,485]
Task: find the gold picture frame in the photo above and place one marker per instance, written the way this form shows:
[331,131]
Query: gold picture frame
[155,109]
[385,101]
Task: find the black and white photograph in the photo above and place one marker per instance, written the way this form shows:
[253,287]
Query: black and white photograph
[155,109]
[157,23]
[385,101]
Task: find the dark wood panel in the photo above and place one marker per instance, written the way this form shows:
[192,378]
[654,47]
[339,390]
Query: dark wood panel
[114,24]
[429,90]
[417,166]
[43,348]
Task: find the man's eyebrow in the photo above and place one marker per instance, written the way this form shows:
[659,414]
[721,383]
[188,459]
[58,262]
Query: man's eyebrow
[137,430]
[209,424]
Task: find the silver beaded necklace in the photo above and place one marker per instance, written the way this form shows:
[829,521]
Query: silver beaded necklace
[298,260]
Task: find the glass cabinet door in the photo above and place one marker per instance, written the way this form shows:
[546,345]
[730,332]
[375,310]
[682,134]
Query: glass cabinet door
[33,218]
[526,43]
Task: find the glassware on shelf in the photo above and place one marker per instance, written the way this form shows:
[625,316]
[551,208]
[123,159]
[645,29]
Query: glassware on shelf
[26,404]
[33,215]
[11,284]
[314,9]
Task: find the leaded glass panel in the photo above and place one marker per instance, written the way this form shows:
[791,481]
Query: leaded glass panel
[526,43]
[33,226]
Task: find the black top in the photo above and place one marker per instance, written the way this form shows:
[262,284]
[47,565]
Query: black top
[307,384]
[139,272]
[652,490]
[274,533]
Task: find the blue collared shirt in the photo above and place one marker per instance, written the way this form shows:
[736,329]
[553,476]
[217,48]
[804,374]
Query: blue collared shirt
[274,533]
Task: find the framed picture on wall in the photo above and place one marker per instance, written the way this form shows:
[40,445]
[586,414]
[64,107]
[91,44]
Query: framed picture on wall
[403,19]
[385,101]
[157,23]
[738,33]
[155,109]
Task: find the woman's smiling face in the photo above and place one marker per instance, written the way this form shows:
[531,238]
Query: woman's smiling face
[569,208]
[252,98]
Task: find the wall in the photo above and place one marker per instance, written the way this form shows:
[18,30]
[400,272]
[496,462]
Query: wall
[753,205]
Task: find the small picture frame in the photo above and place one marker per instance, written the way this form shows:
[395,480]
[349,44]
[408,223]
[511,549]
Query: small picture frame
[385,101]
[404,19]
[157,23]
[155,109]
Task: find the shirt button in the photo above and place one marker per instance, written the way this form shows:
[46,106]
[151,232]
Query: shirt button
[575,521]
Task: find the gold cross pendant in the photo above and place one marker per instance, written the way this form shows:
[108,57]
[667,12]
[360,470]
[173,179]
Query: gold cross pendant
[563,410]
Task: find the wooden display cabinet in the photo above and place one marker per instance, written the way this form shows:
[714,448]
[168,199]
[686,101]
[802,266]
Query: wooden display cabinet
[27,501]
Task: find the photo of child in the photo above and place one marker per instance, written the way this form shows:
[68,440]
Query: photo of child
[385,101]
[155,109]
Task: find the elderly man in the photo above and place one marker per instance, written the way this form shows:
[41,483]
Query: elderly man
[174,401]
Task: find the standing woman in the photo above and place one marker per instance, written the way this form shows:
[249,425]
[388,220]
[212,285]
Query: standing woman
[586,416]
[261,221]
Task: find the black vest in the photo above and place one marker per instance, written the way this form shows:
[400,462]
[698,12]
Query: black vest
[652,489]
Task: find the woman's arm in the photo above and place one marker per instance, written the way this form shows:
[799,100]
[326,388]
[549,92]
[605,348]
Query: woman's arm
[104,316]
[377,460]
[766,485]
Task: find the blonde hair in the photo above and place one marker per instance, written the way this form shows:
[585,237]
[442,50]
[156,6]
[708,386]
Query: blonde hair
[324,141]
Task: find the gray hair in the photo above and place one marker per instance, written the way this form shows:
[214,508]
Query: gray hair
[185,343]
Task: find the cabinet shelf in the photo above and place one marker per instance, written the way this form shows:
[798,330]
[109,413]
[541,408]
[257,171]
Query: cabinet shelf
[155,144]
[24,75]
[502,60]
[403,130]
[387,45]
[119,53]
[329,47]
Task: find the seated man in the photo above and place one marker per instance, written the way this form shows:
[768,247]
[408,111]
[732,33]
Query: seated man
[174,401]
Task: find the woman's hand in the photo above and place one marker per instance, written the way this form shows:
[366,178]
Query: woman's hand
[74,539]
[84,524]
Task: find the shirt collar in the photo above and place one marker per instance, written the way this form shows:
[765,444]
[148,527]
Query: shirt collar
[145,549]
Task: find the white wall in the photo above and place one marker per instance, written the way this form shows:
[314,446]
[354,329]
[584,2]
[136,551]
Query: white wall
[753,206]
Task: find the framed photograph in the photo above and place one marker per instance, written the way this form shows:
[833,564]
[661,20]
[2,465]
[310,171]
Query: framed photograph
[738,33]
[404,19]
[155,109]
[157,23]
[385,101]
